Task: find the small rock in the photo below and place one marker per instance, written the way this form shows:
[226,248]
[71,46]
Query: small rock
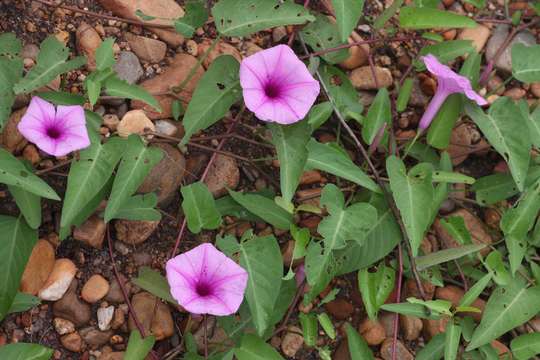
[128,67]
[292,341]
[454,294]
[515,93]
[94,337]
[222,48]
[501,349]
[496,84]
[119,319]
[62,36]
[411,327]
[135,122]
[362,78]
[30,51]
[105,316]
[88,40]
[460,143]
[31,154]
[95,289]
[372,331]
[59,280]
[278,33]
[111,121]
[535,89]
[147,49]
[339,308]
[223,174]
[418,98]
[69,307]
[134,231]
[358,55]
[434,327]
[165,127]
[478,35]
[115,355]
[115,292]
[500,33]
[142,258]
[72,342]
[402,353]
[63,326]
[91,232]
[310,177]
[154,315]
[38,268]
[166,177]
[10,138]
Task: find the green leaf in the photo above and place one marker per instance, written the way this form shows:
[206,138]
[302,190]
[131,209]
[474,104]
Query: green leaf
[387,14]
[51,62]
[358,348]
[245,17]
[375,288]
[440,130]
[14,172]
[93,89]
[477,3]
[139,207]
[199,208]
[17,239]
[105,55]
[23,302]
[405,92]
[341,90]
[526,62]
[378,114]
[348,12]
[534,126]
[309,328]
[451,343]
[319,114]
[526,346]
[62,98]
[504,126]
[137,162]
[320,267]
[155,283]
[88,175]
[9,44]
[327,325]
[452,177]
[264,208]
[413,194]
[446,51]
[10,73]
[434,349]
[216,92]
[195,17]
[475,290]
[290,142]
[471,67]
[427,18]
[29,204]
[455,226]
[177,109]
[411,309]
[118,87]
[138,347]
[442,256]
[495,263]
[327,158]
[254,348]
[323,34]
[507,308]
[25,351]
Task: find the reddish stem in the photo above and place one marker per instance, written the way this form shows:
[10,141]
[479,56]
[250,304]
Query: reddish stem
[398,299]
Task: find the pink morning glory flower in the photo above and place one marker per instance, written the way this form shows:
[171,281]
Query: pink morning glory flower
[448,83]
[277,86]
[205,281]
[55,131]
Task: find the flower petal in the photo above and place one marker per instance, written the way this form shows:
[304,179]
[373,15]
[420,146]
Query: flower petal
[33,123]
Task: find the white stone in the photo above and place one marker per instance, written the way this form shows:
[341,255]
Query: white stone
[105,316]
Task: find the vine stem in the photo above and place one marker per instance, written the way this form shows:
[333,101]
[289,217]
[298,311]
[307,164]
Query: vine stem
[378,179]
[398,299]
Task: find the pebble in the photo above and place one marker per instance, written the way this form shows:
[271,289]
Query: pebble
[515,93]
[411,289]
[278,33]
[38,268]
[192,48]
[292,341]
[411,326]
[135,122]
[372,331]
[535,89]
[119,319]
[116,355]
[460,143]
[223,173]
[340,308]
[111,121]
[63,326]
[154,315]
[69,307]
[94,337]
[495,42]
[10,138]
[134,232]
[58,282]
[105,316]
[88,40]
[147,49]
[222,48]
[166,127]
[95,289]
[358,55]
[30,51]
[128,67]
[115,292]
[402,353]
[31,154]
[433,327]
[478,35]
[91,232]
[495,83]
[73,342]
[362,78]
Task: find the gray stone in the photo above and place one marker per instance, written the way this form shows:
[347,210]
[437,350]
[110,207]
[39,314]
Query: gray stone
[128,67]
[500,33]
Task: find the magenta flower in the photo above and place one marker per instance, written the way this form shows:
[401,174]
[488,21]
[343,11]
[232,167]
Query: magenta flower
[277,86]
[205,281]
[55,131]
[448,83]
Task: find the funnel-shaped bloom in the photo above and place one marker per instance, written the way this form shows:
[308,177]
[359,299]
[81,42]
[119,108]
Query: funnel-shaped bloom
[277,86]
[205,281]
[448,82]
[55,131]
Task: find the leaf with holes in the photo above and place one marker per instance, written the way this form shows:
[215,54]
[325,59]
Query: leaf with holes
[323,34]
[216,92]
[348,12]
[342,92]
[375,288]
[195,17]
[199,208]
[245,17]
[10,45]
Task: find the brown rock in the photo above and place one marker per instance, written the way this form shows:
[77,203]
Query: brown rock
[402,353]
[339,308]
[454,294]
[31,154]
[72,342]
[88,40]
[292,341]
[69,307]
[460,143]
[59,280]
[115,292]
[223,174]
[172,76]
[95,289]
[119,319]
[94,337]
[147,49]
[434,327]
[362,78]
[358,55]
[166,177]
[411,289]
[535,89]
[161,9]
[222,48]
[342,351]
[38,268]
[134,231]
[310,177]
[478,35]
[11,139]
[515,93]
[476,228]
[115,355]
[411,326]
[501,348]
[63,326]
[135,122]
[372,331]
[91,232]
[154,315]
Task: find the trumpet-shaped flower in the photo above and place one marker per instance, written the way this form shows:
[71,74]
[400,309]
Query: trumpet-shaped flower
[55,131]
[448,82]
[205,281]
[277,86]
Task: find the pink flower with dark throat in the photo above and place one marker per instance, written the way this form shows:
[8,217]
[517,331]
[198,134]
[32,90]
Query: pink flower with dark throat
[448,83]
[205,281]
[55,131]
[277,86]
